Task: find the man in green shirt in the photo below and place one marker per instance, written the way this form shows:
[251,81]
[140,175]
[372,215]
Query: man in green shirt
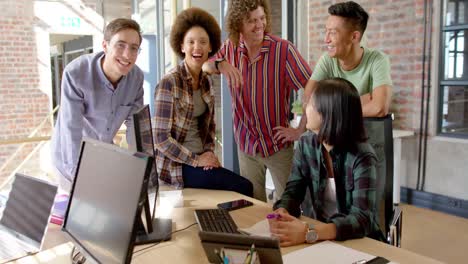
[367,69]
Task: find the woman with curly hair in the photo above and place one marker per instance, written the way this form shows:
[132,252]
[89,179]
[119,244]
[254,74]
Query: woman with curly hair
[184,110]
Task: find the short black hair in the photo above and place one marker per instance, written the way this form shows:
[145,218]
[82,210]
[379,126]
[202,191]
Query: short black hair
[190,18]
[339,104]
[352,12]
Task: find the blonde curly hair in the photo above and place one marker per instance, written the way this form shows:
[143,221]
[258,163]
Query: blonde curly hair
[239,10]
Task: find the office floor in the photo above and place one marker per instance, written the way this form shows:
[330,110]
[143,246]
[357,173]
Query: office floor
[437,235]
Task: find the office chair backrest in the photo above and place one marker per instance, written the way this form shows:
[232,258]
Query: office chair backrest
[379,131]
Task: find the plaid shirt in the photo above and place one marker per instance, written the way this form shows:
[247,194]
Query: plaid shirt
[173,106]
[355,179]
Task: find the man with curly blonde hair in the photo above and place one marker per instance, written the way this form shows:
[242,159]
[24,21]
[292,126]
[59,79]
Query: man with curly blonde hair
[261,69]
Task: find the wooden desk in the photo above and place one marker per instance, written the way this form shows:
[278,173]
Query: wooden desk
[185,246]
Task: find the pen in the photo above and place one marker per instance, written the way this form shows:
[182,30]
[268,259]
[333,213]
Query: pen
[248,258]
[273,216]
[217,253]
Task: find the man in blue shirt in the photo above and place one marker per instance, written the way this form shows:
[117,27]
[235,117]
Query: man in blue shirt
[99,92]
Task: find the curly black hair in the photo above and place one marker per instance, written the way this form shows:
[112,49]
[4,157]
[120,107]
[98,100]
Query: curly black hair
[192,17]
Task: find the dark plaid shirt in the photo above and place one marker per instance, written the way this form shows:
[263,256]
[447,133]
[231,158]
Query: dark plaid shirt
[355,179]
[173,104]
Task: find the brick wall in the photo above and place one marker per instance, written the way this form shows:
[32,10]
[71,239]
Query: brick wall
[25,86]
[275,6]
[396,28]
[22,104]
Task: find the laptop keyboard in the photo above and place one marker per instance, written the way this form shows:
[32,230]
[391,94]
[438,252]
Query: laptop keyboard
[10,247]
[216,220]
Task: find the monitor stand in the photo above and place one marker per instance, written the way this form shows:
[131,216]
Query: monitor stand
[155,230]
[162,229]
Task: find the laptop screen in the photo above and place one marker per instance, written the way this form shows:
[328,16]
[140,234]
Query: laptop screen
[28,207]
[104,200]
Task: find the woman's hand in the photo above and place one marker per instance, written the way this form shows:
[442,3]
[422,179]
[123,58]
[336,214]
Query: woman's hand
[290,230]
[208,160]
[281,211]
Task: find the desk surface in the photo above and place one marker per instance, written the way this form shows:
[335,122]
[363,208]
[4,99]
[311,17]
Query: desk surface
[185,246]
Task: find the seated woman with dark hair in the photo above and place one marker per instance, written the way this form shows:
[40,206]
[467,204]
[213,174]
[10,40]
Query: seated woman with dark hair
[337,165]
[184,111]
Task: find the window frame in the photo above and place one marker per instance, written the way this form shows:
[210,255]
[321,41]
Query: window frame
[444,82]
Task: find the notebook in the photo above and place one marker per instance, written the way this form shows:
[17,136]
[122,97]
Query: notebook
[25,217]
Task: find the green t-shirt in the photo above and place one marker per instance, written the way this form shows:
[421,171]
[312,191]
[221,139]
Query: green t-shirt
[372,72]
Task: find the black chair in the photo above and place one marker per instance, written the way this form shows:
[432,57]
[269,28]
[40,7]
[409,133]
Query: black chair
[379,131]
[380,135]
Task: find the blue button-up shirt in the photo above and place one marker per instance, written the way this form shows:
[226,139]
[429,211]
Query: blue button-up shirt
[92,107]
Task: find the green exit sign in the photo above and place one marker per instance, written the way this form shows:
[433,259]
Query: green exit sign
[70,22]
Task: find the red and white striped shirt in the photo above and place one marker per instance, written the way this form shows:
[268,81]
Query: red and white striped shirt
[262,103]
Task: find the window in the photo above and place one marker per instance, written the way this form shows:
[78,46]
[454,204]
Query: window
[453,89]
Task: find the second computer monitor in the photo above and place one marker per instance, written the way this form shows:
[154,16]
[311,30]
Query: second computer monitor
[143,133]
[105,201]
[157,229]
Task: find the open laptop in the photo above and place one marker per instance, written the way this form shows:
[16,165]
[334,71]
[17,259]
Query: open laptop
[25,217]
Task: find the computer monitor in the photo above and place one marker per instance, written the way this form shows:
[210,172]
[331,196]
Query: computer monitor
[159,229]
[105,201]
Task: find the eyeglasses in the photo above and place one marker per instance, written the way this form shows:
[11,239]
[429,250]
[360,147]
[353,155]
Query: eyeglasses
[121,46]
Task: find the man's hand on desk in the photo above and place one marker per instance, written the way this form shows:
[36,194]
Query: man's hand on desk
[290,230]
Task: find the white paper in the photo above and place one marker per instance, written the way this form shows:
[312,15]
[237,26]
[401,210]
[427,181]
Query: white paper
[325,252]
[261,228]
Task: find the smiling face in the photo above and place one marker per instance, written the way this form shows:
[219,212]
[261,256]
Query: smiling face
[339,37]
[121,54]
[196,47]
[253,27]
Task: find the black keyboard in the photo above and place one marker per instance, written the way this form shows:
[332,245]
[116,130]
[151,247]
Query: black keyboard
[215,220]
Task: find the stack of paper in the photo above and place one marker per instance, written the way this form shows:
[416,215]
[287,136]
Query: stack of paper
[327,252]
[261,228]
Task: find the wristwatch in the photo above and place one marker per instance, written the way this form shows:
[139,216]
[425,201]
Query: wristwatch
[217,62]
[311,235]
